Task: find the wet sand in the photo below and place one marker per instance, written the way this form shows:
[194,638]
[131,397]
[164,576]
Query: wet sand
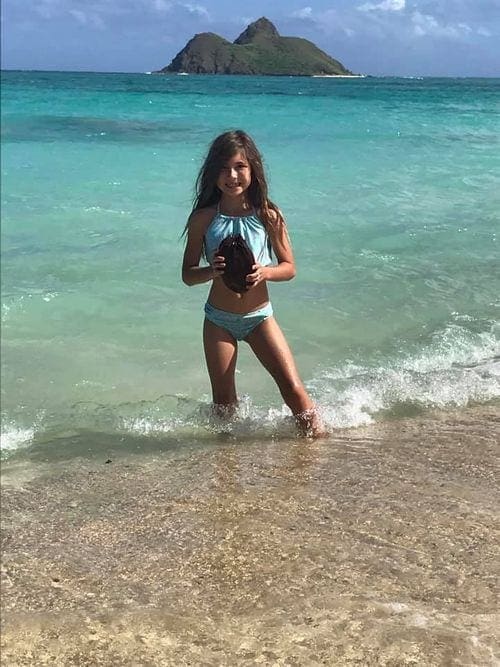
[376,546]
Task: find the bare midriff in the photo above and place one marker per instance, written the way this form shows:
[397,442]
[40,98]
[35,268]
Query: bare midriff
[223,298]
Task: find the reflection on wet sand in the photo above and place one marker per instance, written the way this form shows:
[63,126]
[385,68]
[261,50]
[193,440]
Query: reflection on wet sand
[378,546]
[238,551]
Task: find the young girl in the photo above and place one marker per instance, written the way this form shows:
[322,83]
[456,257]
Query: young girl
[232,198]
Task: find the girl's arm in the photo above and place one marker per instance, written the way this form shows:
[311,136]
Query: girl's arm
[192,272]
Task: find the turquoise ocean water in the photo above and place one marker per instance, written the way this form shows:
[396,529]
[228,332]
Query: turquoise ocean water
[391,189]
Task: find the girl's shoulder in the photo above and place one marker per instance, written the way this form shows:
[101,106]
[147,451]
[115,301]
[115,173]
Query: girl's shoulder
[201,218]
[277,217]
[272,218]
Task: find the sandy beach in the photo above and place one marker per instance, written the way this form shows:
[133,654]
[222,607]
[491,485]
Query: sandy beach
[376,546]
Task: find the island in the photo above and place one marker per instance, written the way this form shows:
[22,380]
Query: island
[260,49]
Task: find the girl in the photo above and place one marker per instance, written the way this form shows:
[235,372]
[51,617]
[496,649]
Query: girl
[232,198]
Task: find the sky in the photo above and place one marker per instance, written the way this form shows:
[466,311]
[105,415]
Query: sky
[377,37]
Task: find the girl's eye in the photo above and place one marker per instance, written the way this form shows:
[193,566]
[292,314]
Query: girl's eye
[238,167]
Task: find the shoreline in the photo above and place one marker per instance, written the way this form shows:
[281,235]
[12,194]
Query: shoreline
[374,546]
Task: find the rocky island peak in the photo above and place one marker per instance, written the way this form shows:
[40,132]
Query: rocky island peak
[258,50]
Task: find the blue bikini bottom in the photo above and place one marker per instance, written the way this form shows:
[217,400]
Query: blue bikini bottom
[238,325]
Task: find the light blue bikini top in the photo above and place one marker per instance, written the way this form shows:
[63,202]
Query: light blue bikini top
[250,228]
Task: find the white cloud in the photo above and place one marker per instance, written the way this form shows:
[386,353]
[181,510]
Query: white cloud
[458,20]
[196,9]
[47,8]
[94,12]
[331,21]
[384,6]
[91,18]
[425,25]
[304,13]
[78,15]
[162,5]
[44,12]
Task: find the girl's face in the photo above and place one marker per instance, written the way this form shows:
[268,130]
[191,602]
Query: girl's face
[235,177]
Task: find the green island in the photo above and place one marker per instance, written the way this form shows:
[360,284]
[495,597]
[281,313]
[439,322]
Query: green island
[260,50]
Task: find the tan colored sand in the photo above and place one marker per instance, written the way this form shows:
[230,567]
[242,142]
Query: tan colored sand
[378,546]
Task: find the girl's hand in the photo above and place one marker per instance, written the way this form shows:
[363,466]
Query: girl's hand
[258,276]
[218,266]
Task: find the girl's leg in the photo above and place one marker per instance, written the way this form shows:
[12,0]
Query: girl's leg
[221,351]
[270,347]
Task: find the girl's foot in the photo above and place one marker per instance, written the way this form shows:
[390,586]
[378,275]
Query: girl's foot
[224,411]
[310,424]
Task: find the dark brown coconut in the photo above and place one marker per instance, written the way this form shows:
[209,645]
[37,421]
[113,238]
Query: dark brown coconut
[239,262]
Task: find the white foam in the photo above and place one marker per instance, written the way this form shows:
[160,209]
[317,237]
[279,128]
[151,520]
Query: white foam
[12,438]
[147,426]
[457,368]
[249,420]
[456,345]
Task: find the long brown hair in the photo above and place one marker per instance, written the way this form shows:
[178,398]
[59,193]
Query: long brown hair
[222,149]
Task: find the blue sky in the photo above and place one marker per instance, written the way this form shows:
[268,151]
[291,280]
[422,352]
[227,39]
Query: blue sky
[379,37]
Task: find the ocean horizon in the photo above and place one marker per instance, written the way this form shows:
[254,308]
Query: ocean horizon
[298,76]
